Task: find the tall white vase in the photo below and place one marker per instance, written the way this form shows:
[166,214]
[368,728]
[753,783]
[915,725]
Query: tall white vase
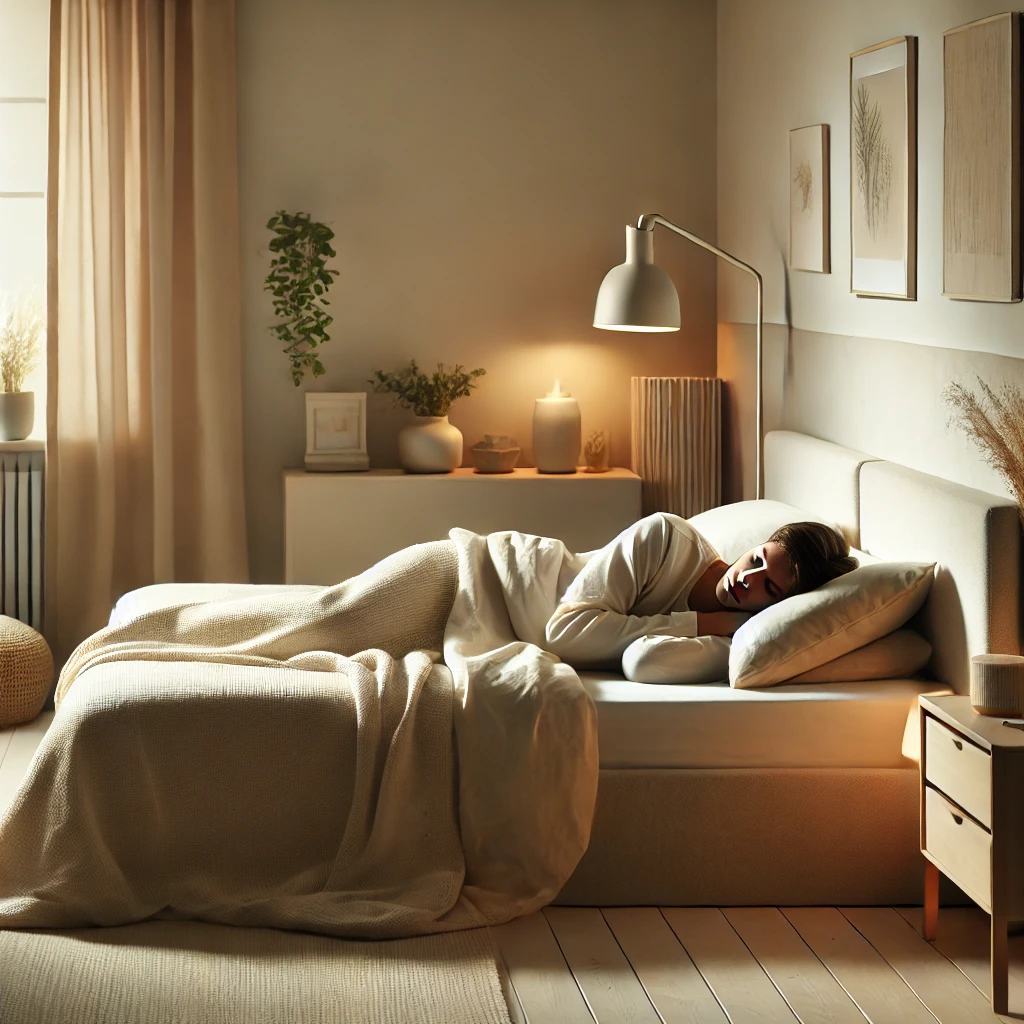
[430,444]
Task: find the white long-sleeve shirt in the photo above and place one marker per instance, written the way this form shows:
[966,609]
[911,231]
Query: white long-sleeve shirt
[623,606]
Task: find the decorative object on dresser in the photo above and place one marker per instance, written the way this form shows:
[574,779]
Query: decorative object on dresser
[21,329]
[496,453]
[365,517]
[557,432]
[638,296]
[26,672]
[430,444]
[299,280]
[981,160]
[809,247]
[997,684]
[883,169]
[595,452]
[336,431]
[972,818]
[676,442]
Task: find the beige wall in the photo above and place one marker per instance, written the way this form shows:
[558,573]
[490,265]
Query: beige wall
[478,162]
[783,64]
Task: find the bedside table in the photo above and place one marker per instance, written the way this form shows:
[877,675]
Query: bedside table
[972,818]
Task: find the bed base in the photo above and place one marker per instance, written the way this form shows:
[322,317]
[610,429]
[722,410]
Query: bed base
[748,837]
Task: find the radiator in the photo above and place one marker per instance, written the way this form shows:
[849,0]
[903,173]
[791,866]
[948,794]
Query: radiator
[21,536]
[677,443]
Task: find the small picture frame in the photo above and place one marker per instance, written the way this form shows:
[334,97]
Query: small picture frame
[336,431]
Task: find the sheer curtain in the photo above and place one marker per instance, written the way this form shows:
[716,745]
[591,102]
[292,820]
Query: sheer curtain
[144,463]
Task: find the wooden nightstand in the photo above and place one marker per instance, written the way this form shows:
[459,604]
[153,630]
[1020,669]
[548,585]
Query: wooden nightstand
[972,818]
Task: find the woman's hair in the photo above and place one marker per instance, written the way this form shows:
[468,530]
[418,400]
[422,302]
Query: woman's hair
[817,553]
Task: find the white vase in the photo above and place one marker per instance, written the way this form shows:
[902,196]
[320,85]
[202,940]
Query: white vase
[17,415]
[430,444]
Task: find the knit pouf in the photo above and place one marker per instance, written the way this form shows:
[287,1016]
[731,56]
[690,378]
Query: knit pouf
[26,672]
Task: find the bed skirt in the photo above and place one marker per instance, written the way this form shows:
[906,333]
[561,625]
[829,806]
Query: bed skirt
[748,837]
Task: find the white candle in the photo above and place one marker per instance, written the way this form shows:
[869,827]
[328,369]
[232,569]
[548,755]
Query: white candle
[556,432]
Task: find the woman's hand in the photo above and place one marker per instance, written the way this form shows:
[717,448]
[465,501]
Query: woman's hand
[720,623]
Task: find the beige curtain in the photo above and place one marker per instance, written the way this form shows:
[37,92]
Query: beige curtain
[144,466]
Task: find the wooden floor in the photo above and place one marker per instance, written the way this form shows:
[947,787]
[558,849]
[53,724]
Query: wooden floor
[740,965]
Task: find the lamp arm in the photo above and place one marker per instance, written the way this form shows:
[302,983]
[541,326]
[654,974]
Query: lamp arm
[647,222]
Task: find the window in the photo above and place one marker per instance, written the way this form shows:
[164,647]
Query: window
[24,56]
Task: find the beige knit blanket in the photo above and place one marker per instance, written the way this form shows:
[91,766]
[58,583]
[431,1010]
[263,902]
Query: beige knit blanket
[308,760]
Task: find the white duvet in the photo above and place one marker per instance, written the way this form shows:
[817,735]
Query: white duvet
[308,759]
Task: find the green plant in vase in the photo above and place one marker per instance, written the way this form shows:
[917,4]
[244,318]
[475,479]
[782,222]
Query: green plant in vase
[299,280]
[431,444]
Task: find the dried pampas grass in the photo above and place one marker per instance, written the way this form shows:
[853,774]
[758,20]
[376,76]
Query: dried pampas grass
[21,331]
[994,421]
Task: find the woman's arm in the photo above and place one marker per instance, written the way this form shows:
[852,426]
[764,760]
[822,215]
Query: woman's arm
[669,659]
[592,625]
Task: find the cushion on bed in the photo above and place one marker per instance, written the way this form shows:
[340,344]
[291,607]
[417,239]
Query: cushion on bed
[734,529]
[808,630]
[899,655]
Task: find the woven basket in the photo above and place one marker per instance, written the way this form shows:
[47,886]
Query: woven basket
[997,684]
[26,672]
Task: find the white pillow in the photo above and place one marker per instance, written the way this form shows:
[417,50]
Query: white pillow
[808,630]
[896,656]
[732,530]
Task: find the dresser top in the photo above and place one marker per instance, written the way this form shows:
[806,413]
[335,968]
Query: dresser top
[986,730]
[468,473]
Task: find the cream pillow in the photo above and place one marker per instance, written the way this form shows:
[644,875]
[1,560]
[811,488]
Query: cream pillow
[896,656]
[808,630]
[734,529]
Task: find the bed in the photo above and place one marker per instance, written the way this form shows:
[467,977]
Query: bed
[801,795]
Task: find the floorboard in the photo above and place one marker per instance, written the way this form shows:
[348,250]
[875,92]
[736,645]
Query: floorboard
[730,970]
[673,984]
[804,981]
[933,978]
[610,986]
[541,978]
[5,740]
[882,995]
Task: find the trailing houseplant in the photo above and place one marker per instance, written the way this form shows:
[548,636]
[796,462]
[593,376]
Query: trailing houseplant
[21,332]
[994,421]
[299,280]
[431,444]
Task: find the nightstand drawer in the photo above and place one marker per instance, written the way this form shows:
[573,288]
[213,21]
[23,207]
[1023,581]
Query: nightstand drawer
[960,769]
[961,847]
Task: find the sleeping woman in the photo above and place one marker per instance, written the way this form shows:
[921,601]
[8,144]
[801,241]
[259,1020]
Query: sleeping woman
[661,602]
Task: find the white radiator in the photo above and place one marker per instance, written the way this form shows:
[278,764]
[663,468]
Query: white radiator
[21,536]
[677,443]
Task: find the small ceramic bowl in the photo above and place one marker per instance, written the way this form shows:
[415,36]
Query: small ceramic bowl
[495,454]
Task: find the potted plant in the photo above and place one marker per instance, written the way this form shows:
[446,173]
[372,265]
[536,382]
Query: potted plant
[430,444]
[299,279]
[21,330]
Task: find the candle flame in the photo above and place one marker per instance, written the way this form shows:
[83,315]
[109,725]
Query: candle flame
[557,390]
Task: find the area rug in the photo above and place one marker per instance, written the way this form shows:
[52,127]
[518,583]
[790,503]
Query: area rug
[185,972]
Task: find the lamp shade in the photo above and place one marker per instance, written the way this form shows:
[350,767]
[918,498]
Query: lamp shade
[637,295]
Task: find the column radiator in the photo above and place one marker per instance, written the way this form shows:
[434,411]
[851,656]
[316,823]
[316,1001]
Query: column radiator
[677,443]
[21,536]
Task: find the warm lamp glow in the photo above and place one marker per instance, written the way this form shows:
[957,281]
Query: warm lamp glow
[635,329]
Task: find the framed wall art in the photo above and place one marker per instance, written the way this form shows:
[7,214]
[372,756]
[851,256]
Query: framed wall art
[981,160]
[809,199]
[336,431]
[883,169]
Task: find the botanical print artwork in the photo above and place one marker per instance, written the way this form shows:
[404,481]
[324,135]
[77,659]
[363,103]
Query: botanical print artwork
[337,429]
[879,131]
[808,199]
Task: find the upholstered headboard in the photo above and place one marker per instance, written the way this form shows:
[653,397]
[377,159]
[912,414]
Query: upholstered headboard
[898,513]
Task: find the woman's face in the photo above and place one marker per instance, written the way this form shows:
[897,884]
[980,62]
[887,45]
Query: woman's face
[761,577]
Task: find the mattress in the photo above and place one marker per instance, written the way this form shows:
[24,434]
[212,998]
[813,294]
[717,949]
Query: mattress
[826,725]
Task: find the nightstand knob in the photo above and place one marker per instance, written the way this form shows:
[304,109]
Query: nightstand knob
[957,818]
[958,744]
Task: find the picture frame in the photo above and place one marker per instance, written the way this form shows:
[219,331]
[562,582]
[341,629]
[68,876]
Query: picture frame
[336,431]
[809,242]
[981,160]
[883,169]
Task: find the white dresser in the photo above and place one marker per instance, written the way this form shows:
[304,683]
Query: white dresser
[338,524]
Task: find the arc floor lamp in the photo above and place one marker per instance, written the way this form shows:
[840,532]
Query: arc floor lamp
[639,296]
